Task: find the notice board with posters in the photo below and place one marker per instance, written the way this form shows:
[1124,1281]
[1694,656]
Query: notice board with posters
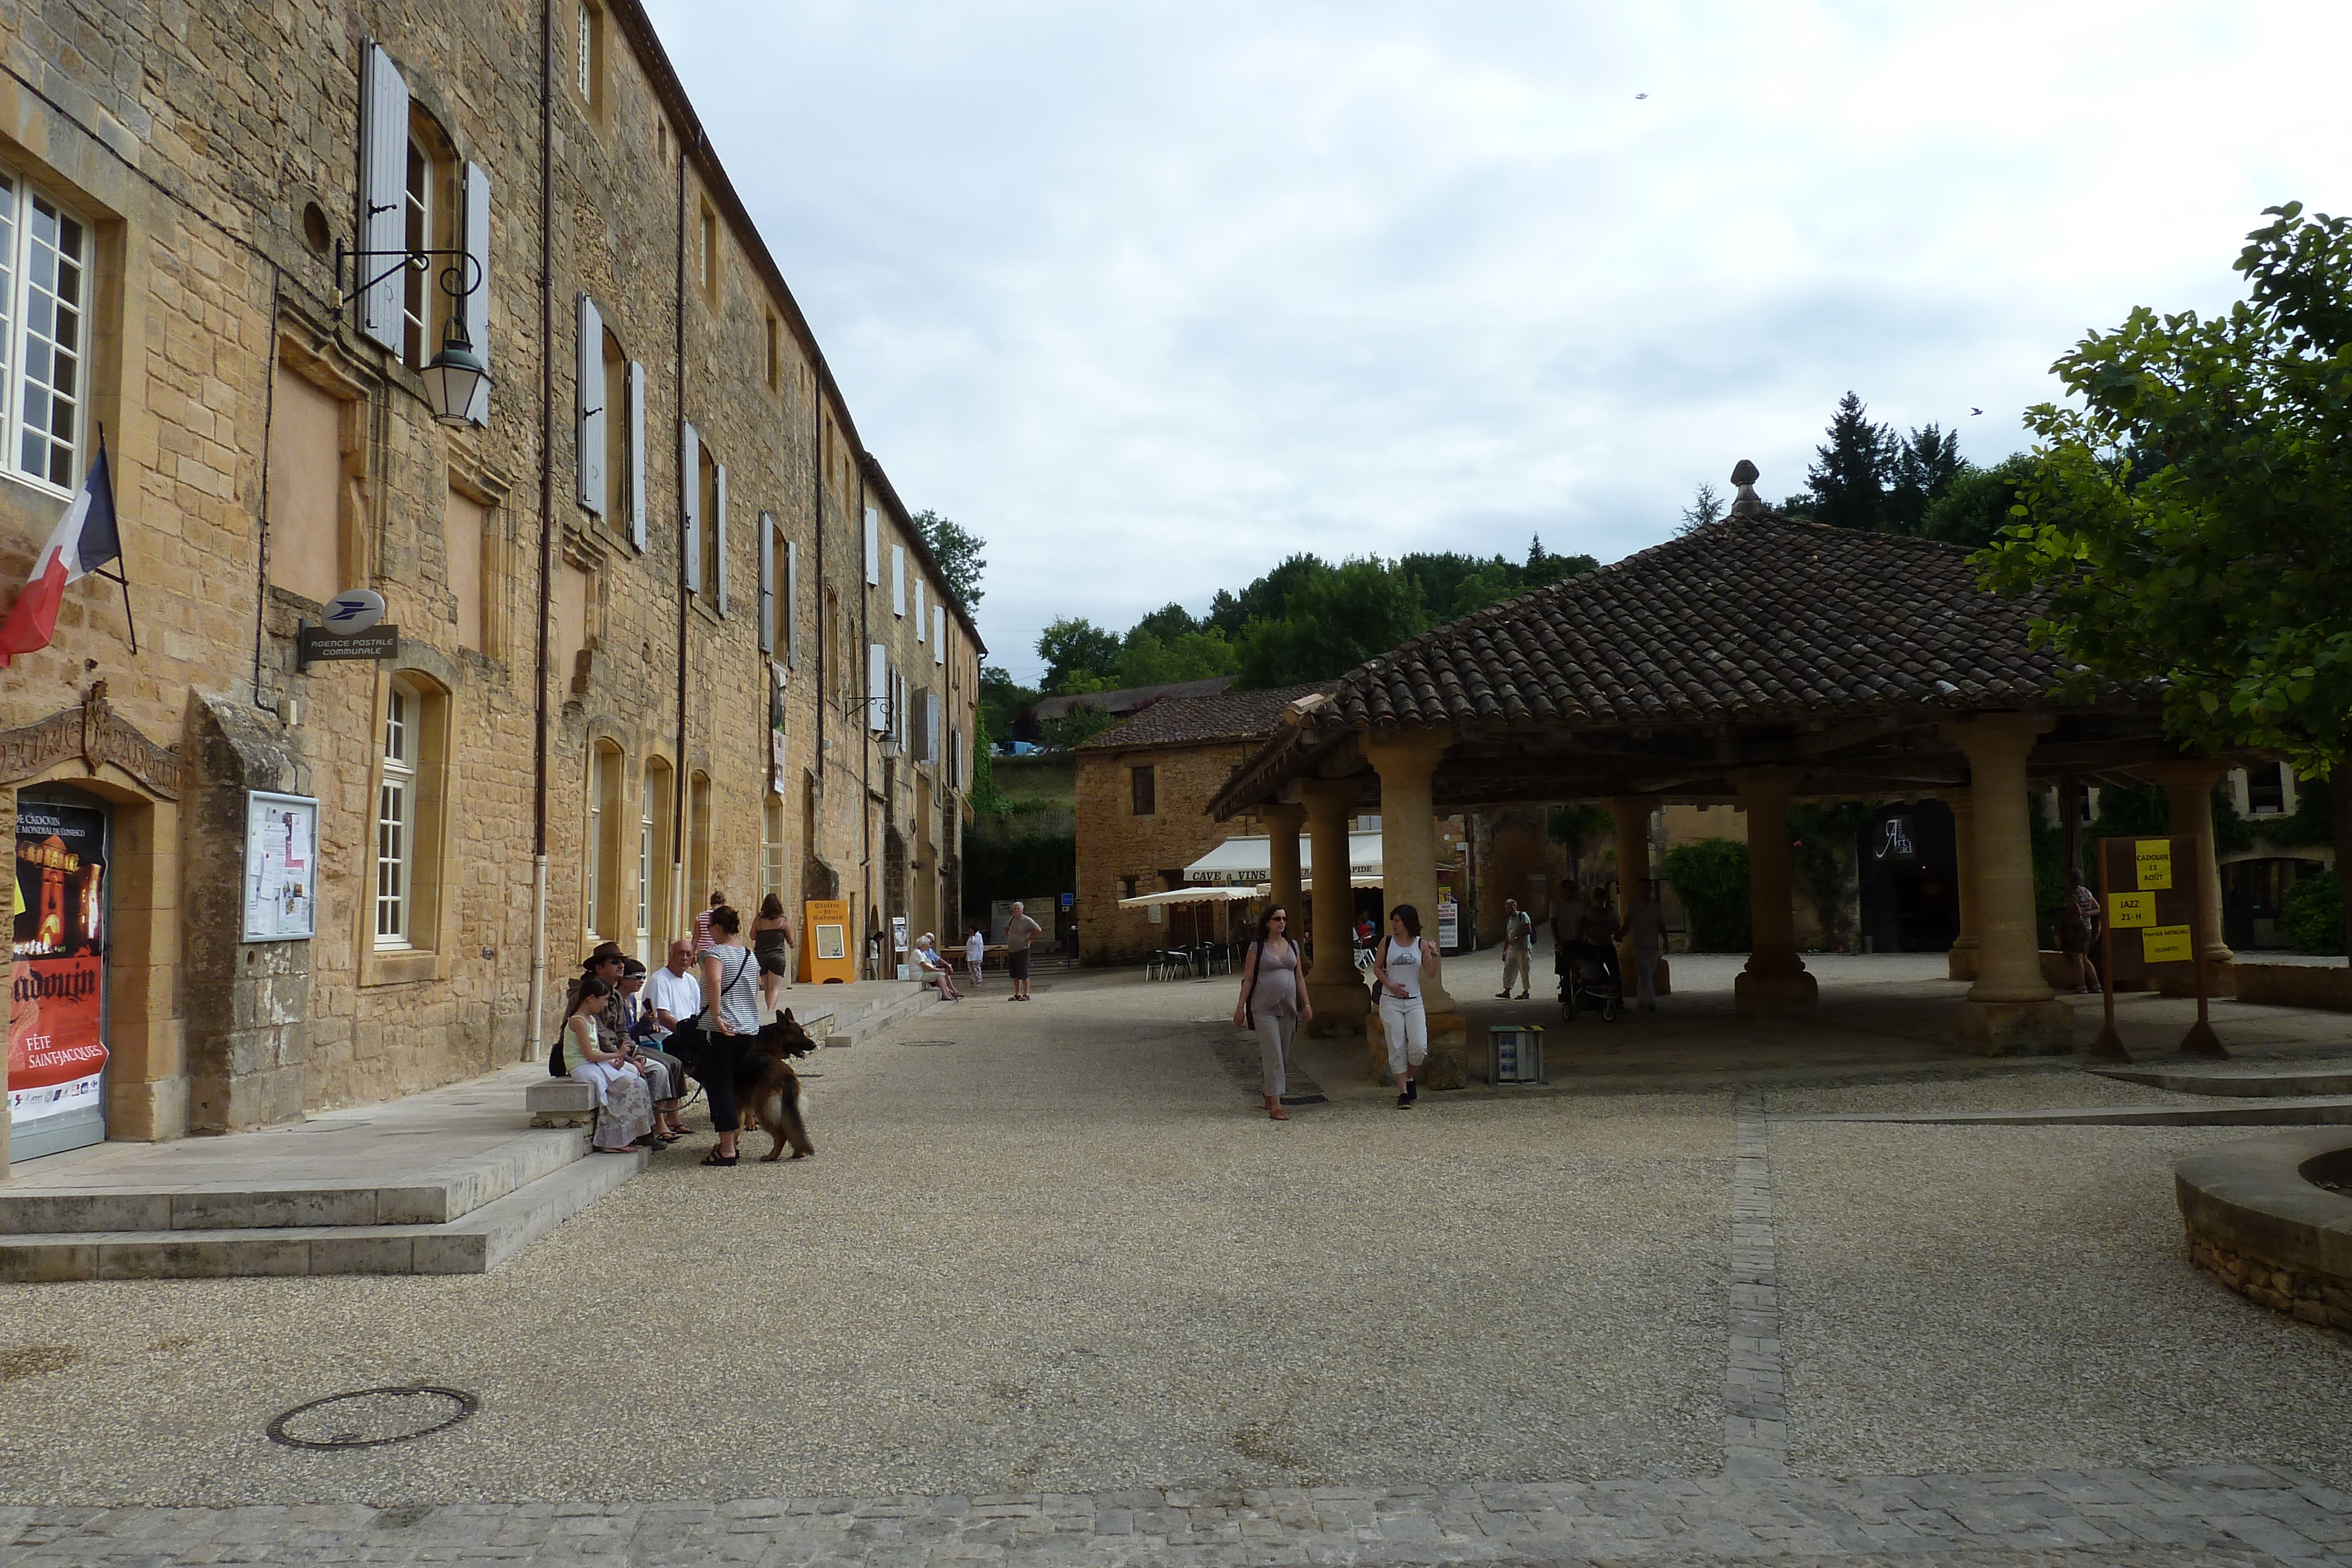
[57,1012]
[282,867]
[825,957]
[2148,889]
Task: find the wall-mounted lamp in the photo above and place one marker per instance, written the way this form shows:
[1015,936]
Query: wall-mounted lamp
[458,373]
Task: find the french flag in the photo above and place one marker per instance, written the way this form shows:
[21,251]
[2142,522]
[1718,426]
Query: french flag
[86,539]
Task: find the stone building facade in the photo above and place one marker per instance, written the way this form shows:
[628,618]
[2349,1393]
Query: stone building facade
[663,623]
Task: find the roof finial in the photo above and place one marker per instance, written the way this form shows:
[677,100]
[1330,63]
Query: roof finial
[1748,502]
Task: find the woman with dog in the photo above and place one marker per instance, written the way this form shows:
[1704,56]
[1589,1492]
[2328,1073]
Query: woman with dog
[1273,1003]
[624,1106]
[1404,958]
[728,1020]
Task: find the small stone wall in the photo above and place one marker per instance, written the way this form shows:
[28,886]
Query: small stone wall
[2257,1222]
[2326,987]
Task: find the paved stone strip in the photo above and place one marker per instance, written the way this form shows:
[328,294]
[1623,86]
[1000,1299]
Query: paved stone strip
[2229,1514]
[1755,1393]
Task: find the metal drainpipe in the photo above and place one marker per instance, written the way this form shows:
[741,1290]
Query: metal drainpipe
[261,522]
[546,520]
[866,731]
[681,782]
[824,622]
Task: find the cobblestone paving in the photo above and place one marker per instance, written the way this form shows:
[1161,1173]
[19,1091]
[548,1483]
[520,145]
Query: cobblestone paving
[2214,1514]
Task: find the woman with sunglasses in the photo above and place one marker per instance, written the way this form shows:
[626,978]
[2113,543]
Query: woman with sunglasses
[1273,1002]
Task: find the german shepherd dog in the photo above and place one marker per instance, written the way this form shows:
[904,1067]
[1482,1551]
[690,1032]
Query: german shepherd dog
[768,1090]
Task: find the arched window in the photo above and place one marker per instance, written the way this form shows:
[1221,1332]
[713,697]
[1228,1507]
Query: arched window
[771,848]
[600,844]
[395,817]
[698,842]
[654,898]
[430,211]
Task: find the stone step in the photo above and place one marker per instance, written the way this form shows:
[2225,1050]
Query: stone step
[875,1019]
[437,1195]
[2237,1084]
[2303,1111]
[474,1244]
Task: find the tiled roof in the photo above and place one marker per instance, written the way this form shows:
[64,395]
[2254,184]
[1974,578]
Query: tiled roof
[1185,721]
[1750,619]
[1127,699]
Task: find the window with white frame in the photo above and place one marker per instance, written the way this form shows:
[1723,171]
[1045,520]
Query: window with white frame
[646,865]
[45,261]
[395,817]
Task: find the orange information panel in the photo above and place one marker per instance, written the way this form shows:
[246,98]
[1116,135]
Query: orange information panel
[825,957]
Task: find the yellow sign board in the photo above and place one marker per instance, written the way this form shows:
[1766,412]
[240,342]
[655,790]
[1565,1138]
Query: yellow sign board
[2126,910]
[825,957]
[2153,857]
[2167,945]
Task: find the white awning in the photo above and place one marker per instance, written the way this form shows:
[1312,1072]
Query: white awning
[1247,858]
[1191,895]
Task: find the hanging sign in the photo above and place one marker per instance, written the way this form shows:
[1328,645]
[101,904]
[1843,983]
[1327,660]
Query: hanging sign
[57,1047]
[2153,860]
[2166,943]
[282,867]
[2126,910]
[312,643]
[355,609]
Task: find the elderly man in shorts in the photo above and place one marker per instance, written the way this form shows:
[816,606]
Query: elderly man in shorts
[1019,931]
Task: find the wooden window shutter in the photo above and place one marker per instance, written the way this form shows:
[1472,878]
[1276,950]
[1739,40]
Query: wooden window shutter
[792,602]
[767,584]
[720,555]
[635,400]
[478,303]
[591,406]
[382,222]
[690,469]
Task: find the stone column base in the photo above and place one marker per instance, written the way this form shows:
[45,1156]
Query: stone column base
[1795,994]
[1339,1009]
[2015,1029]
[1961,963]
[1448,1066]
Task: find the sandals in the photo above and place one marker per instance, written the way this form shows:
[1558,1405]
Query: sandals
[714,1158]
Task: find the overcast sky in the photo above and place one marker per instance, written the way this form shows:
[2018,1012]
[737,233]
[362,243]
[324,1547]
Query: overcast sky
[1151,295]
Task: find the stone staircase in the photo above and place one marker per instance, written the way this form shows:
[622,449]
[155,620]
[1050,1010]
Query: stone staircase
[442,1183]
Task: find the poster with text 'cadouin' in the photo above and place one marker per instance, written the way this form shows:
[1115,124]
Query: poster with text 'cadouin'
[57,1048]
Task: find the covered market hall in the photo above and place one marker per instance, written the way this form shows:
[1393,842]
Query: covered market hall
[1755,662]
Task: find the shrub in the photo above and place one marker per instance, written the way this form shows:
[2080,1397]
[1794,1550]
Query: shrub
[1710,877]
[2313,915]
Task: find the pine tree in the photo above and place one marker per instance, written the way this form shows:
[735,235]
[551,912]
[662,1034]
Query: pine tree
[1926,465]
[1706,507]
[1848,485]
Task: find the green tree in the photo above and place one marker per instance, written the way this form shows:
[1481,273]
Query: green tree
[1335,619]
[1977,504]
[1926,463]
[1710,877]
[1821,850]
[956,549]
[1264,599]
[2314,914]
[1847,488]
[1544,568]
[1082,723]
[1073,646]
[1147,660]
[1706,508]
[1002,700]
[1167,624]
[2188,509]
[1578,827]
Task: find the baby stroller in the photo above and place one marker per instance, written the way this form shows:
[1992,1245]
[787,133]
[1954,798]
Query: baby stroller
[1584,987]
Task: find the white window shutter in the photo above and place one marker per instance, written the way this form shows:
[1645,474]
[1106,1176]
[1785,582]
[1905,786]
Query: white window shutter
[478,303]
[635,400]
[591,406]
[931,717]
[877,687]
[897,579]
[382,222]
[767,584]
[719,554]
[792,602]
[689,467]
[938,634]
[922,620]
[873,547]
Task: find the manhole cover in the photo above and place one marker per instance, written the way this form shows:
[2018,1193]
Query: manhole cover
[372,1416]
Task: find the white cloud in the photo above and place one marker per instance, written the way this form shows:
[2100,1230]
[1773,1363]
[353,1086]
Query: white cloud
[1153,295]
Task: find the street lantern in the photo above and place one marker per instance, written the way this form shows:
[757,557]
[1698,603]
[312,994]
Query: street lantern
[454,376]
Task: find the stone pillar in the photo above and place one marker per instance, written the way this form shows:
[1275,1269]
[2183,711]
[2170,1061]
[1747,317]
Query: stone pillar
[1332,984]
[2188,792]
[2010,1010]
[1961,963]
[1283,822]
[1632,814]
[1405,762]
[1776,983]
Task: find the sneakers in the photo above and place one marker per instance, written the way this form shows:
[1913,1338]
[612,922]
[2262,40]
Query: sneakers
[1405,1102]
[1412,1090]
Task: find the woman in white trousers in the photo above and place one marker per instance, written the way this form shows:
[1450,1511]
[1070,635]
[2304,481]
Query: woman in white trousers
[1404,957]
